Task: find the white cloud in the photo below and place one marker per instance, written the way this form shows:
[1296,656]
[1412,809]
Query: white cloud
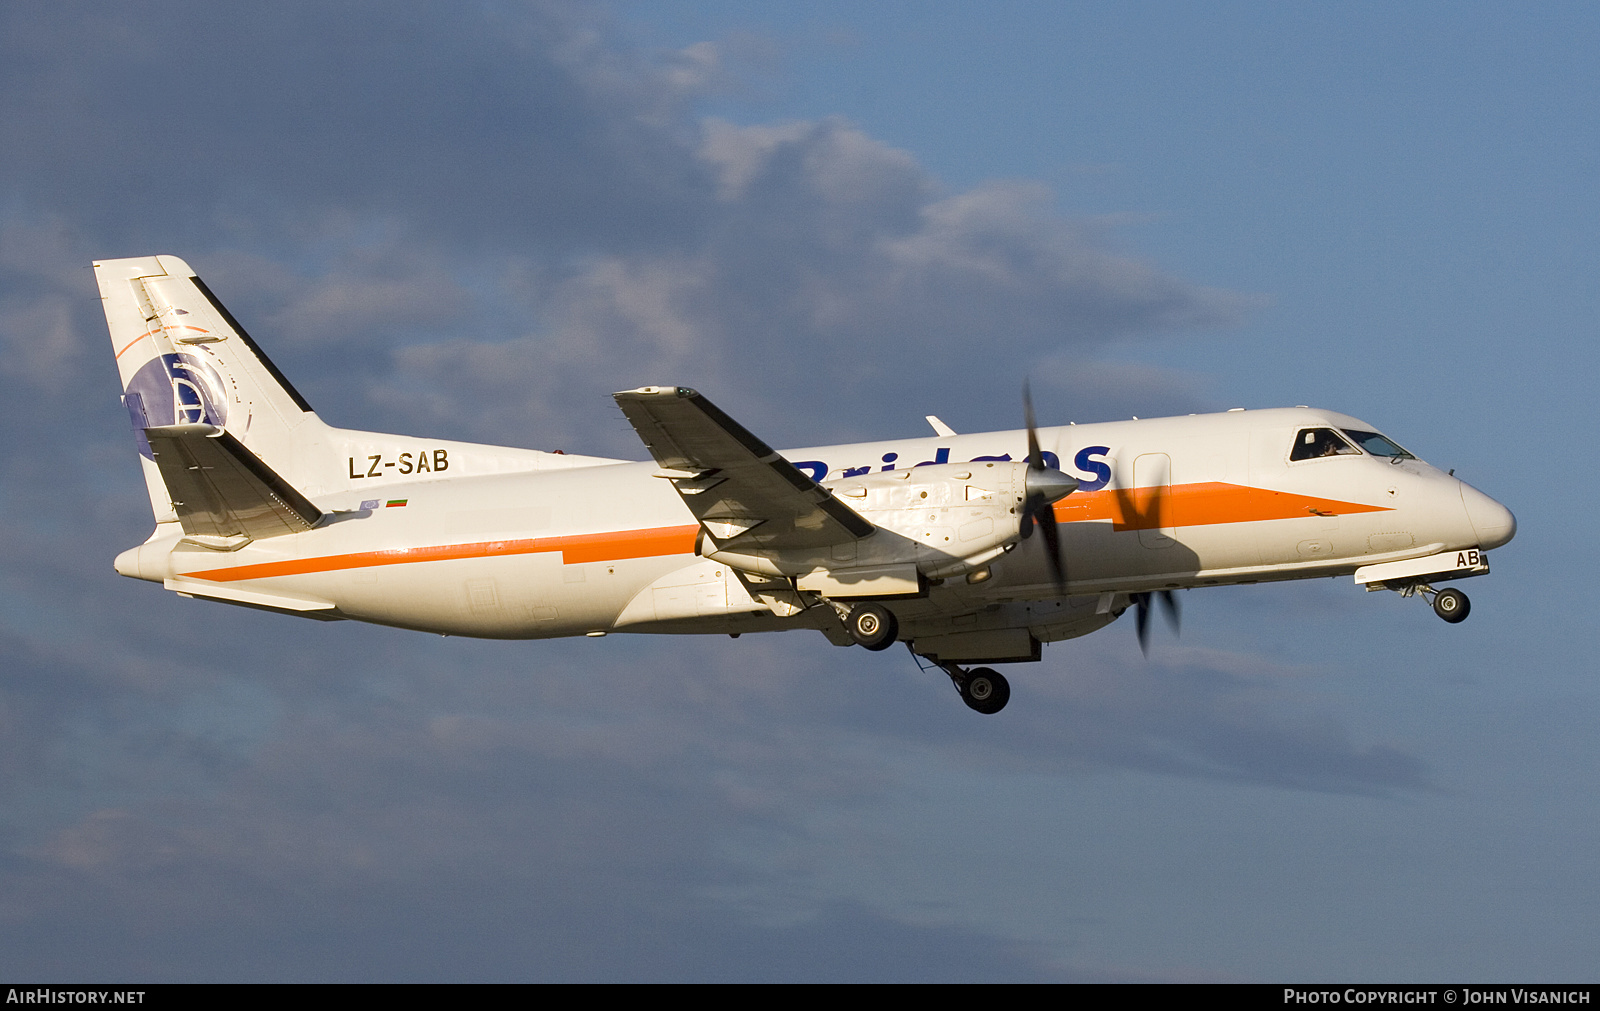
[831,265]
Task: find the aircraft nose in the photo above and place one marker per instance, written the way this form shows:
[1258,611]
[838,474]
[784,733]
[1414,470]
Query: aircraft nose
[1491,521]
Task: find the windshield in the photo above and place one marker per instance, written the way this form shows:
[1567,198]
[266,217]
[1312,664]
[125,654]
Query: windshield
[1377,445]
[1315,443]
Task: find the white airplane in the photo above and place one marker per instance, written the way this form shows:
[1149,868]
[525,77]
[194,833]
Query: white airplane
[926,541]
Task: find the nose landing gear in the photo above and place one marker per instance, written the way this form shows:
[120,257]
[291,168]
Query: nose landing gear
[1450,603]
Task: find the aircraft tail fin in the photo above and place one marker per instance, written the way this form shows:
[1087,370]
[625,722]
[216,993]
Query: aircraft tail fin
[184,361]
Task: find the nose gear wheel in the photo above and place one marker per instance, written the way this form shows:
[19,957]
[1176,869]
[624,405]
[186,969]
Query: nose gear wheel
[1452,605]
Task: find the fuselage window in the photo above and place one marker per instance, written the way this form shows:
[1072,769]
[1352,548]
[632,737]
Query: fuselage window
[1377,445]
[1314,443]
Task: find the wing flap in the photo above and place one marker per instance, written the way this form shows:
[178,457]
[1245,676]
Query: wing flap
[744,493]
[222,490]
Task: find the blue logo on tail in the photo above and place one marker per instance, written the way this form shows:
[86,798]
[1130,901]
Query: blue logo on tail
[174,390]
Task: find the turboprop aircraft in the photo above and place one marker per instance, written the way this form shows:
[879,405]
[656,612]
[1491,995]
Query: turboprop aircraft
[924,541]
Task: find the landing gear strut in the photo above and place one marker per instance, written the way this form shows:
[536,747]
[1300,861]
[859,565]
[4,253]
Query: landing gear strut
[983,689]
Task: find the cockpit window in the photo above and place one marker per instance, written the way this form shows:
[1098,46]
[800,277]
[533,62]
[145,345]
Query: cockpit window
[1312,443]
[1377,445]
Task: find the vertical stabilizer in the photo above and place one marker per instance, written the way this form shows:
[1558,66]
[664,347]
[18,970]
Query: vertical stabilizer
[184,360]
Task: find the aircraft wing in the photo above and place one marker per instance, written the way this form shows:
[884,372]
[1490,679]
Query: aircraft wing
[744,494]
[222,490]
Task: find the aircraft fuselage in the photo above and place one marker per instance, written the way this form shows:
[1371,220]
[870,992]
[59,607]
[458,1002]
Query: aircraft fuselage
[1163,503]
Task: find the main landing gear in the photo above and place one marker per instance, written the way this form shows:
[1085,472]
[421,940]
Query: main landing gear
[983,689]
[1450,603]
[872,626]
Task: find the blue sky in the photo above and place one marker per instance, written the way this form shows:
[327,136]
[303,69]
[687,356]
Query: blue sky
[477,222]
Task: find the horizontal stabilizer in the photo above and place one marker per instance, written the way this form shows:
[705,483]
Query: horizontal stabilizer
[223,492]
[745,494]
[279,603]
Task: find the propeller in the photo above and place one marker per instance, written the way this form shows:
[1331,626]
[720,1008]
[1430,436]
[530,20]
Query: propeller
[1152,512]
[1043,487]
[1141,617]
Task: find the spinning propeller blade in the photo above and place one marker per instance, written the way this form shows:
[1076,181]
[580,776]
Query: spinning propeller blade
[1052,543]
[1045,487]
[1035,457]
[1141,617]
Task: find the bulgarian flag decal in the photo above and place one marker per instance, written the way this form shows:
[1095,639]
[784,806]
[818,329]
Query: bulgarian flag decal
[395,503]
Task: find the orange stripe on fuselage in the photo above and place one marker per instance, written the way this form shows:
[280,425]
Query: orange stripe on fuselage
[1194,505]
[607,547]
[1127,509]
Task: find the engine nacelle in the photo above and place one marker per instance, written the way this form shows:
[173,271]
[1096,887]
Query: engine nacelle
[955,516]
[932,522]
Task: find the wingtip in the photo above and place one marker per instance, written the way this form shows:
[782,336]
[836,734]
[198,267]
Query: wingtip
[655,391]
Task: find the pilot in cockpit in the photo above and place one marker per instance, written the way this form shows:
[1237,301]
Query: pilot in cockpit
[1315,443]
